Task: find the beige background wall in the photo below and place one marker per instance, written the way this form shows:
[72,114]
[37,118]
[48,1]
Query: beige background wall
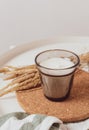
[26,20]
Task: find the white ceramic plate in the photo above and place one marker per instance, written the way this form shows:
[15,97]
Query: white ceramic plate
[25,54]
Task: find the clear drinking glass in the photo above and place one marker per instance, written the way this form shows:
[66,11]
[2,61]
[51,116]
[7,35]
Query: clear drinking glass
[57,83]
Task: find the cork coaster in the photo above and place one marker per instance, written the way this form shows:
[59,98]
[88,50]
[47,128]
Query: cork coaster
[74,108]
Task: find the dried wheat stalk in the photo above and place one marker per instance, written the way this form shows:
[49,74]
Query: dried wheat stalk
[84,57]
[27,77]
[22,78]
[84,60]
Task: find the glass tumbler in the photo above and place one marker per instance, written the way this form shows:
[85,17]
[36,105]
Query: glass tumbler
[57,82]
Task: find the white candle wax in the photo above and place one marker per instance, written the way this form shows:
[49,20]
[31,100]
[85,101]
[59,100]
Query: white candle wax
[58,63]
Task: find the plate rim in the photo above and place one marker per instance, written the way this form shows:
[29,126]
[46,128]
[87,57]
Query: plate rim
[39,43]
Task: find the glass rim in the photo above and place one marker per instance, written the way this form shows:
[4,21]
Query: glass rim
[78,60]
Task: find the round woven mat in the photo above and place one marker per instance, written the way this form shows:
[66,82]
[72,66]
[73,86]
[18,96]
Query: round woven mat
[74,108]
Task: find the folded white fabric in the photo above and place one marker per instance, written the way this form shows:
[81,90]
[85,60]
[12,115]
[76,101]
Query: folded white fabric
[22,121]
